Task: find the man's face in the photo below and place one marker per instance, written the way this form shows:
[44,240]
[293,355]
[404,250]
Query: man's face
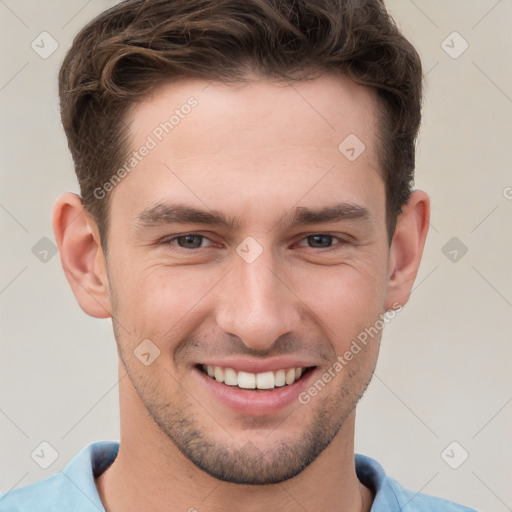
[274,291]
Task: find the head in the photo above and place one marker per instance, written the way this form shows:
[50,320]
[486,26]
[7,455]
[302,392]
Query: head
[245,170]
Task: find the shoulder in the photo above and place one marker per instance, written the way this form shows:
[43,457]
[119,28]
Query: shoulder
[412,501]
[390,496]
[43,494]
[73,488]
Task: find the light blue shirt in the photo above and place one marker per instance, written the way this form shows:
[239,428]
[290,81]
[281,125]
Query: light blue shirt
[73,489]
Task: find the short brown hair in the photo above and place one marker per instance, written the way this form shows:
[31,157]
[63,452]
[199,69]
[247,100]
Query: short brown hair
[131,48]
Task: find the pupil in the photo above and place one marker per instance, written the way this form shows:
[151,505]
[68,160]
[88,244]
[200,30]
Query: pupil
[189,240]
[317,237]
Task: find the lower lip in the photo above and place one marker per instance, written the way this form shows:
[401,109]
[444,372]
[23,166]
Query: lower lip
[259,402]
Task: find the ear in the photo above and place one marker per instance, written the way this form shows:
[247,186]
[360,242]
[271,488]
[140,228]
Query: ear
[407,248]
[81,255]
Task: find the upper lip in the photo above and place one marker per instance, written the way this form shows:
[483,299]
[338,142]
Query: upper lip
[258,365]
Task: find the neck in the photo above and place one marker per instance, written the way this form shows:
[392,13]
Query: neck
[151,474]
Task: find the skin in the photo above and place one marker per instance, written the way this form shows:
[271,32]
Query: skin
[253,150]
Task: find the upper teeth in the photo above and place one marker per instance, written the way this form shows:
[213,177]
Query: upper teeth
[246,380]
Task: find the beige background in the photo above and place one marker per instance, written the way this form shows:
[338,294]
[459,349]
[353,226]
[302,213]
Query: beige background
[444,373]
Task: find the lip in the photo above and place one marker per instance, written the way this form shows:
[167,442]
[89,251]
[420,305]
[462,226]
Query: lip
[255,403]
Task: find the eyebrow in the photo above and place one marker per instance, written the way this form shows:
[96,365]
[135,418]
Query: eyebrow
[183,214]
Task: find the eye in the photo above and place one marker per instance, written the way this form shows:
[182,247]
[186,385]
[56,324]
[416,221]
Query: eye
[322,241]
[187,241]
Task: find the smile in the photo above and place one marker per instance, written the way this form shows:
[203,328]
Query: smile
[246,380]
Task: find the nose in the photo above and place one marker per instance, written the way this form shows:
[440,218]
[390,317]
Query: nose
[256,302]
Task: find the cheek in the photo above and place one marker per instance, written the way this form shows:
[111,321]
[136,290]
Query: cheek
[345,300]
[160,301]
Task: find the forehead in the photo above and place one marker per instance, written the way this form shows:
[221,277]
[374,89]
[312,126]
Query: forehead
[258,112]
[270,142]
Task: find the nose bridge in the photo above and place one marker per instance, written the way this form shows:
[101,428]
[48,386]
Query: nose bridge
[257,306]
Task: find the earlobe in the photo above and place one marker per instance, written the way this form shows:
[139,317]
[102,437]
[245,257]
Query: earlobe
[407,248]
[81,255]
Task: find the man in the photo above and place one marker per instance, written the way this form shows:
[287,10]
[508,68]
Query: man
[246,216]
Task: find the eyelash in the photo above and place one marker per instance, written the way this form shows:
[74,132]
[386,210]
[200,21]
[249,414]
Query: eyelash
[340,243]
